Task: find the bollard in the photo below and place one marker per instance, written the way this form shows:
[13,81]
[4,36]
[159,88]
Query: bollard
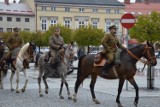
[150,77]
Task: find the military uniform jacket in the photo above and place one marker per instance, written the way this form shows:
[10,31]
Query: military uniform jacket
[14,42]
[111,43]
[55,42]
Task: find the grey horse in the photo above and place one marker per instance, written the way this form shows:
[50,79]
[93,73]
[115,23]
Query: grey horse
[63,67]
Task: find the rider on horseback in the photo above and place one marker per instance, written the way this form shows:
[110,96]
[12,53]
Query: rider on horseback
[111,44]
[56,44]
[13,42]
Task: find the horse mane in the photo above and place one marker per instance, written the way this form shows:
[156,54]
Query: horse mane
[23,49]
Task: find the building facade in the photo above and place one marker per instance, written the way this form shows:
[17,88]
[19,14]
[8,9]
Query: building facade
[76,13]
[16,15]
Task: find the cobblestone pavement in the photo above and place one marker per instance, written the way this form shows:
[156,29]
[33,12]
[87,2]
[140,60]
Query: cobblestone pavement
[105,90]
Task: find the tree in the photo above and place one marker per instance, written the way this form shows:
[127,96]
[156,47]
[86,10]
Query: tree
[147,28]
[88,35]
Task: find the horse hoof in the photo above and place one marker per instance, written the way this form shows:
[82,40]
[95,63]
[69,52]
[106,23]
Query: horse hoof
[61,97]
[23,90]
[41,95]
[69,98]
[12,89]
[46,92]
[119,105]
[96,101]
[136,104]
[75,100]
[17,91]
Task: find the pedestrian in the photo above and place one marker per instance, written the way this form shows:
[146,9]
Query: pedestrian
[112,48]
[56,44]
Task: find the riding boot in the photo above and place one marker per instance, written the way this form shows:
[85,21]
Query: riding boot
[105,69]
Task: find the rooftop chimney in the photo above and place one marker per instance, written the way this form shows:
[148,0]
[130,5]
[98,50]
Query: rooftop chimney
[7,2]
[14,1]
[127,2]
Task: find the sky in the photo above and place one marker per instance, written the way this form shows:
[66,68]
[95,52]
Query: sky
[18,1]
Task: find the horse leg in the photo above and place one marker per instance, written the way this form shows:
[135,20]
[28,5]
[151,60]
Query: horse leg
[11,78]
[39,83]
[133,82]
[92,84]
[17,80]
[121,82]
[77,84]
[60,92]
[1,79]
[26,76]
[45,82]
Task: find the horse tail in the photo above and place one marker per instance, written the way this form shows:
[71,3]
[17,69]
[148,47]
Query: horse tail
[5,72]
[36,60]
[79,67]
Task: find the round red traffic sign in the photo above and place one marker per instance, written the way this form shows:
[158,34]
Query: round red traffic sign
[128,20]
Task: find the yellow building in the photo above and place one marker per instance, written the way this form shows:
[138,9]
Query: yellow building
[77,13]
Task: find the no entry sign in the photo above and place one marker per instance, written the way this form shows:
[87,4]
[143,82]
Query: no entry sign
[127,20]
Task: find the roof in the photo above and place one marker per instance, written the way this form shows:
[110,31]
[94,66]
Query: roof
[141,8]
[150,1]
[84,2]
[14,8]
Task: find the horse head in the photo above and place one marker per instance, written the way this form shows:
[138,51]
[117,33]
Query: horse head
[31,50]
[149,54]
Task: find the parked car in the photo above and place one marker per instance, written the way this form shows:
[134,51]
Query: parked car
[157,54]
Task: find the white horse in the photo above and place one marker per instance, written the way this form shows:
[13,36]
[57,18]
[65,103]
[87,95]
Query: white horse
[63,67]
[25,53]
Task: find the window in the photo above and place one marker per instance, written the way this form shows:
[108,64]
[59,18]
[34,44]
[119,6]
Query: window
[1,18]
[44,24]
[26,29]
[95,24]
[9,29]
[26,19]
[53,8]
[53,22]
[67,23]
[116,11]
[18,19]
[67,9]
[95,10]
[81,9]
[43,8]
[1,29]
[108,24]
[81,24]
[116,23]
[9,19]
[108,10]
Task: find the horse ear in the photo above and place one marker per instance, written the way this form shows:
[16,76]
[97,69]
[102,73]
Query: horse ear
[148,43]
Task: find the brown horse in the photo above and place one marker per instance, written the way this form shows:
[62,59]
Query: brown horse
[3,68]
[125,71]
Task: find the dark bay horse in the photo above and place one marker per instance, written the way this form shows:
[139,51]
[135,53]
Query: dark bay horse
[3,68]
[125,71]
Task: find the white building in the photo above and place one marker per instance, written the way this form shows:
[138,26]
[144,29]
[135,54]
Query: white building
[16,15]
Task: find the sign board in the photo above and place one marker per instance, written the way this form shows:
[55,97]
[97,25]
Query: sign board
[128,20]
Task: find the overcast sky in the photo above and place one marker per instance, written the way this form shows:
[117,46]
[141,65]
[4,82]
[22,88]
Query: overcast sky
[18,1]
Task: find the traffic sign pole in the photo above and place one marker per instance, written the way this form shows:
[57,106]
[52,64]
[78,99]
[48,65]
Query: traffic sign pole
[127,21]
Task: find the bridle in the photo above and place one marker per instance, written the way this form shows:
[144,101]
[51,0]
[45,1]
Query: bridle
[148,54]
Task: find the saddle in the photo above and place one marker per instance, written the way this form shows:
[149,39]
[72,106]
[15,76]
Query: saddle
[99,59]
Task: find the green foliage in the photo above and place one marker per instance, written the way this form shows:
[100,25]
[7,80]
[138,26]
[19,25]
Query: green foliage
[147,28]
[5,35]
[88,35]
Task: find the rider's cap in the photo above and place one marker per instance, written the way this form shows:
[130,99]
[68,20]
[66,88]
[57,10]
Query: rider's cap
[112,27]
[16,29]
